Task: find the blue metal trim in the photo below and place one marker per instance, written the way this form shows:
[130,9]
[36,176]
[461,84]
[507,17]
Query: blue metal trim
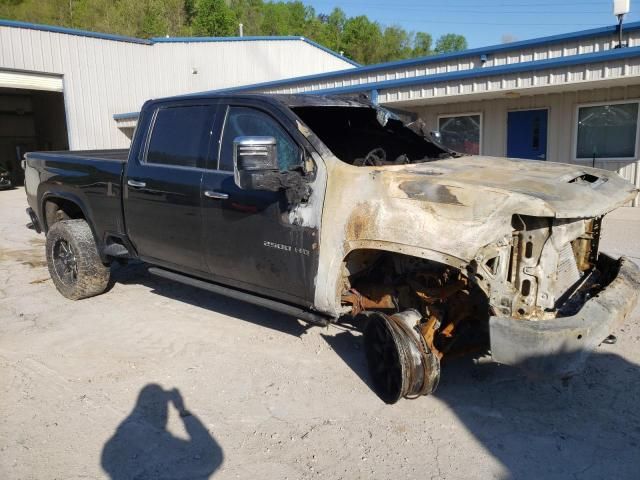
[594,32]
[375,87]
[142,41]
[220,39]
[328,50]
[72,31]
[252,39]
[614,54]
[126,116]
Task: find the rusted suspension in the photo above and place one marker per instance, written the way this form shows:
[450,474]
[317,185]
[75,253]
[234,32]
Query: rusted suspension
[378,297]
[437,294]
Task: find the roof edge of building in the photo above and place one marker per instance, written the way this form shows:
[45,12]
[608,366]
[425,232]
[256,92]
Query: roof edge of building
[536,65]
[492,49]
[126,116]
[262,38]
[73,31]
[155,40]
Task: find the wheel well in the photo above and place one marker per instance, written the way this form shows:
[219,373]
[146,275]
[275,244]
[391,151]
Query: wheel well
[57,209]
[449,302]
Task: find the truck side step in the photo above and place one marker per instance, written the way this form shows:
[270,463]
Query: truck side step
[302,314]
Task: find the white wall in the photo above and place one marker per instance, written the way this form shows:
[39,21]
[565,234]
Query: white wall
[104,77]
[562,123]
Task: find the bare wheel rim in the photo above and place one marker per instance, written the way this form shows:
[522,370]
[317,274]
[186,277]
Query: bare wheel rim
[64,262]
[384,360]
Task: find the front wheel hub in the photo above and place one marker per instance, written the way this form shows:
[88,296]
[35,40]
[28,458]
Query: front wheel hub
[400,363]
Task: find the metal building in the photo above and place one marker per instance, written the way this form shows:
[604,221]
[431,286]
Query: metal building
[60,88]
[569,98]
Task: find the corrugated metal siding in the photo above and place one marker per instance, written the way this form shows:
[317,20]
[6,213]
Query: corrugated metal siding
[627,70]
[562,123]
[103,77]
[431,67]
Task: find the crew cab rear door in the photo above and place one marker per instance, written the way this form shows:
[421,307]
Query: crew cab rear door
[249,240]
[163,184]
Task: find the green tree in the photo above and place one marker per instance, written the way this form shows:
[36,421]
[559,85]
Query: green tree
[250,13]
[396,44]
[422,44]
[362,39]
[275,19]
[451,42]
[359,37]
[213,18]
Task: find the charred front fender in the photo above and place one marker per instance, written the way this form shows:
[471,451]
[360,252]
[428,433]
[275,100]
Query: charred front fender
[559,346]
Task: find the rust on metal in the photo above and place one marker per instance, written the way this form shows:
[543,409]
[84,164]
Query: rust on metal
[377,297]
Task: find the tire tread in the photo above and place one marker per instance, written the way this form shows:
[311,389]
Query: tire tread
[93,275]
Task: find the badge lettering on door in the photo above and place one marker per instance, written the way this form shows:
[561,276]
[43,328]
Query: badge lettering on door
[286,248]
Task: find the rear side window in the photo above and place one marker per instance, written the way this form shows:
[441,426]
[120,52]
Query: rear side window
[245,121]
[180,136]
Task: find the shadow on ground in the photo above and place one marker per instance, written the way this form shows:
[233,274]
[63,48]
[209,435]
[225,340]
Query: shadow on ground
[584,427]
[143,448]
[136,273]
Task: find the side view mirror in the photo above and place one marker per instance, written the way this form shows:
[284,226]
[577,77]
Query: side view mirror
[436,136]
[255,161]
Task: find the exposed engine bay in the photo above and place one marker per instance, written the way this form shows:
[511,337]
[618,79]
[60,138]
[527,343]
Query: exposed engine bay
[417,311]
[372,136]
[545,263]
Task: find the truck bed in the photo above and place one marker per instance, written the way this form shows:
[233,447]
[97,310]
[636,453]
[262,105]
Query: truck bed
[92,177]
[116,155]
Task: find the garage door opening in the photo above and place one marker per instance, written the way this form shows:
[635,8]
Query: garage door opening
[29,120]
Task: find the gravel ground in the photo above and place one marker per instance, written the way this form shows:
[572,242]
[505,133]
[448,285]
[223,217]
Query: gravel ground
[157,380]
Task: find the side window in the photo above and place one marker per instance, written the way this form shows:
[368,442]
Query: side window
[245,121]
[180,136]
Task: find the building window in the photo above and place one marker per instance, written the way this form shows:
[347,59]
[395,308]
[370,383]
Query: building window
[462,133]
[607,131]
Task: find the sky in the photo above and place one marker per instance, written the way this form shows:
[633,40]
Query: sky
[484,22]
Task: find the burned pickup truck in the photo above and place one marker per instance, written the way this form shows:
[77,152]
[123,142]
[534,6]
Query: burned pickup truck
[334,209]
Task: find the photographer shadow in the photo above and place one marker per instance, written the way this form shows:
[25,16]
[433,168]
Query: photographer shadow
[143,448]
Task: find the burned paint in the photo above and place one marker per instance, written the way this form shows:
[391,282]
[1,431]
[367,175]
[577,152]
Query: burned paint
[430,192]
[448,217]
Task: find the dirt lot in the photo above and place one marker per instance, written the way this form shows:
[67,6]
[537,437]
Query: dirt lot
[158,380]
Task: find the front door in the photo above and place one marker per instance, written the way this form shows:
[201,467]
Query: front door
[162,191]
[249,240]
[527,134]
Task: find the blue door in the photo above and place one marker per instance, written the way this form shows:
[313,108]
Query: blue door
[527,134]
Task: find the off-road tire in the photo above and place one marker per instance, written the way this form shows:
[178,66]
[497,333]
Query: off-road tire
[90,276]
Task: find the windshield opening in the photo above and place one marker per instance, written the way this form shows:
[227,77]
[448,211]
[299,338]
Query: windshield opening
[356,136]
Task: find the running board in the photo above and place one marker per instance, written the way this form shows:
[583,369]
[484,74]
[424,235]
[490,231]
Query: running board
[307,316]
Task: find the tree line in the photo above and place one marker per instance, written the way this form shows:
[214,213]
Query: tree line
[358,38]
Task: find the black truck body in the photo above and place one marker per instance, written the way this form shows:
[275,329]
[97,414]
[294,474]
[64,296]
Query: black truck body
[326,207]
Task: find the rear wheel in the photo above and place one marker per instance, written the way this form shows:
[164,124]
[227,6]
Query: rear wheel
[73,260]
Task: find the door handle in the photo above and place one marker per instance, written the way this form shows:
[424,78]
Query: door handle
[136,184]
[217,195]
